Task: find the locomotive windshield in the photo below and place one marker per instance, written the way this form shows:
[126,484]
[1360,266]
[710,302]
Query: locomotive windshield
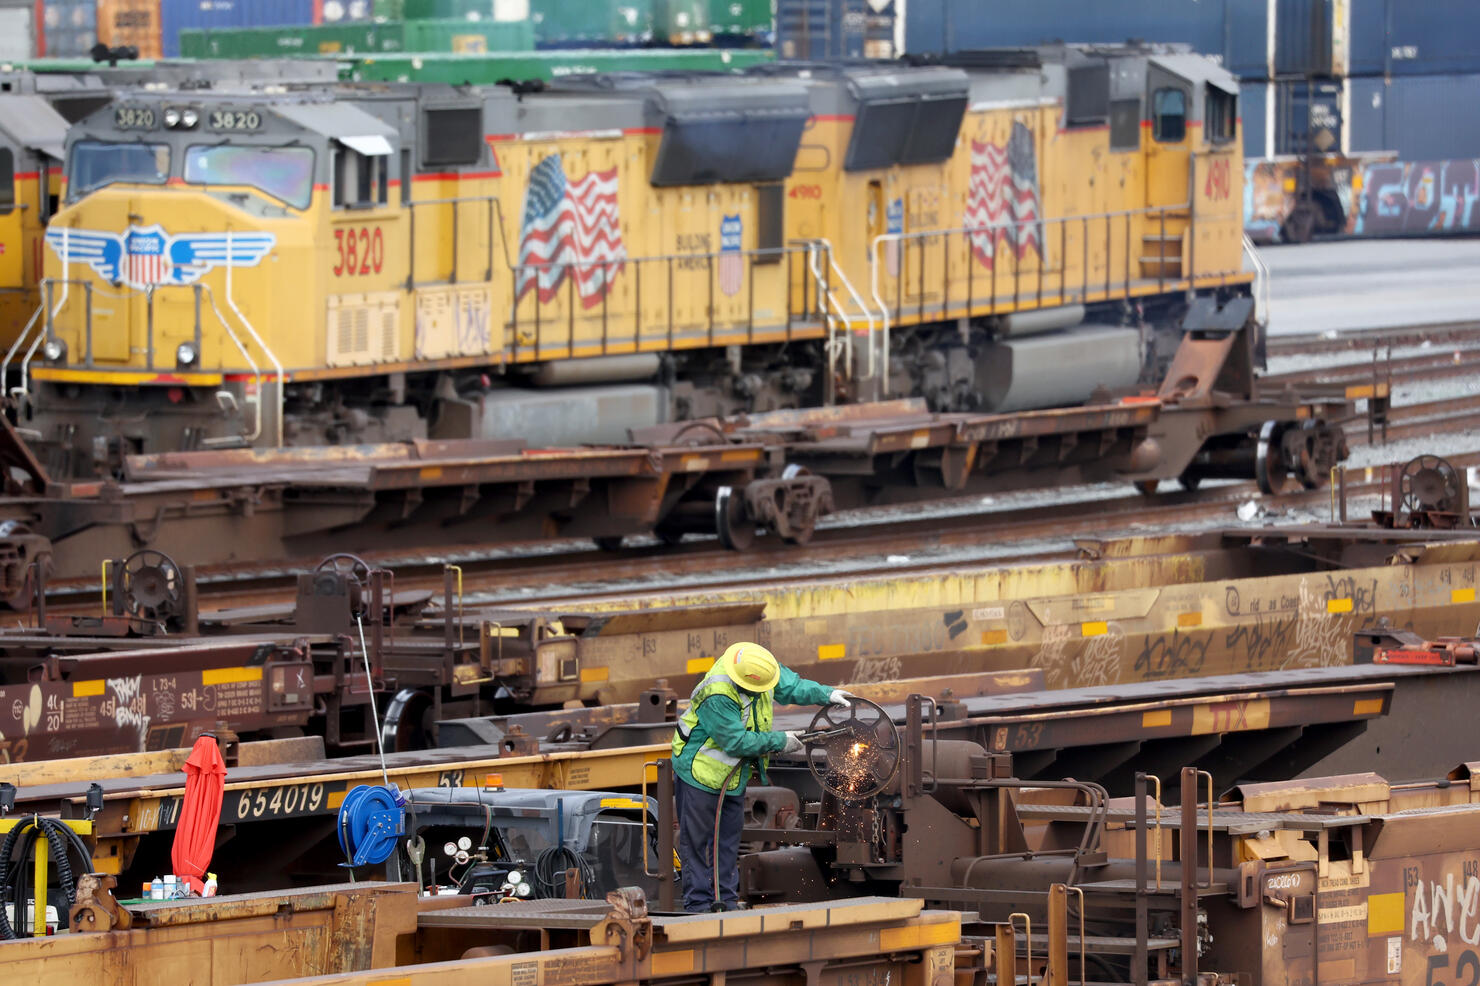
[95,163]
[285,173]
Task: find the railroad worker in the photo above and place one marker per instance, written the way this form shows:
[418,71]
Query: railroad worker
[722,739]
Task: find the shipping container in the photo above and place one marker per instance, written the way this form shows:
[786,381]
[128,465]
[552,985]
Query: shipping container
[809,29]
[546,65]
[178,15]
[742,22]
[1420,118]
[1307,116]
[69,28]
[1377,37]
[1235,31]
[457,36]
[1253,104]
[131,23]
[595,23]
[17,33]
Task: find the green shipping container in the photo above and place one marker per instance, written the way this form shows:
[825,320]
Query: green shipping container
[425,10]
[454,36]
[545,65]
[743,21]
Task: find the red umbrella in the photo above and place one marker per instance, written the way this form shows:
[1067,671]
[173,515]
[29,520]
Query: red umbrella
[195,833]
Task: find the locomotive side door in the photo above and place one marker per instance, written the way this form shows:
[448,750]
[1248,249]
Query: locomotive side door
[1169,107]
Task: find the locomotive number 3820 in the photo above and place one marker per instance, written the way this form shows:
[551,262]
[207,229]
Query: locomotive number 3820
[361,251]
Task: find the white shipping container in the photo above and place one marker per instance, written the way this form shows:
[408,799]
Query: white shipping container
[17,34]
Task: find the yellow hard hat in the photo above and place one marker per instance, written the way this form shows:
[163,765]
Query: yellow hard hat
[751,666]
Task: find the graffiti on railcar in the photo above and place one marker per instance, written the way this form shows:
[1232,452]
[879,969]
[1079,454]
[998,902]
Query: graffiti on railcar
[1419,197]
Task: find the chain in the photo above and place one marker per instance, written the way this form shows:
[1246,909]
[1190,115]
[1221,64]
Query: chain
[878,837]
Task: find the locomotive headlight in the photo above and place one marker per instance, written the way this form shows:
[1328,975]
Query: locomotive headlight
[54,350]
[172,117]
[189,118]
[185,354]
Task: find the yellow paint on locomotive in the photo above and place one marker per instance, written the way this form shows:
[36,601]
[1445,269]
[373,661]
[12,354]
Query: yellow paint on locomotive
[22,230]
[434,281]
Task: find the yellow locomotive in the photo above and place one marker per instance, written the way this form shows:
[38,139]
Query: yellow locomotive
[363,263]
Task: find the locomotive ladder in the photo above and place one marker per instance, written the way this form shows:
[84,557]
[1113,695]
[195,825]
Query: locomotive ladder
[850,314]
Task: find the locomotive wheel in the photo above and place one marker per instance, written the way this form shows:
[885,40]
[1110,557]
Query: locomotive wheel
[1147,486]
[1189,481]
[407,723]
[609,542]
[732,523]
[1269,459]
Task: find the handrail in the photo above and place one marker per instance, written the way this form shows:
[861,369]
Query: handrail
[1261,282]
[1012,228]
[824,293]
[815,249]
[282,377]
[862,306]
[256,371]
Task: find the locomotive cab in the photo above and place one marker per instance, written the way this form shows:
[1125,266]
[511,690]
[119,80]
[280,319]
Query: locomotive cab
[189,221]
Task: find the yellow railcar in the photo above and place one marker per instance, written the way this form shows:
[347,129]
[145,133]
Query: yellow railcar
[363,263]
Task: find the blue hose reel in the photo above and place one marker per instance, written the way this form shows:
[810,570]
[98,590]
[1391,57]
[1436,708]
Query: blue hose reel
[371,819]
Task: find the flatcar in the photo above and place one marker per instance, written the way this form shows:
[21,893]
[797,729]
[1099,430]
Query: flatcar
[373,262]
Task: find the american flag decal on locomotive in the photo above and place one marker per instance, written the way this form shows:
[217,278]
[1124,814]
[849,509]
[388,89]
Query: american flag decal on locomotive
[731,264]
[1002,205]
[144,257]
[569,227]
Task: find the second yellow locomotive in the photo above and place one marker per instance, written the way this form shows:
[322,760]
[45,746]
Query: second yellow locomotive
[274,266]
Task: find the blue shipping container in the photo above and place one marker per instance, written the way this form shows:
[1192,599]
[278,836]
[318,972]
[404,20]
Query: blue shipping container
[1253,98]
[1233,30]
[216,14]
[1422,118]
[820,29]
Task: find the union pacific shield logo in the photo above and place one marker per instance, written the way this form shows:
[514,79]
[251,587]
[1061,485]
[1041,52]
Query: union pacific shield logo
[144,257]
[893,224]
[731,259]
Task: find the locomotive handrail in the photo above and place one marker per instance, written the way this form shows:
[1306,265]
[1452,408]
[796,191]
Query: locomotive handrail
[1261,283]
[835,270]
[995,231]
[816,249]
[272,357]
[411,204]
[256,371]
[707,258]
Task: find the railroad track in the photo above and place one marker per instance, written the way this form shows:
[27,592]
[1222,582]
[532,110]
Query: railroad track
[1315,343]
[1400,369]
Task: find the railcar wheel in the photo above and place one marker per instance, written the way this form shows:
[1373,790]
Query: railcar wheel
[1269,459]
[1189,481]
[609,542]
[1308,469]
[1148,486]
[407,723]
[732,522]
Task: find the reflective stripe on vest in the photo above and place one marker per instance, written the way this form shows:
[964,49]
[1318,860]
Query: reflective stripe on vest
[711,765]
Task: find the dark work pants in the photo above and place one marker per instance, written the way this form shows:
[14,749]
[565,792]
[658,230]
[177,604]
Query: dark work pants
[696,845]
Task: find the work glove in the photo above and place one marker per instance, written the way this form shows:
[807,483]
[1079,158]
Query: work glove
[794,742]
[840,697]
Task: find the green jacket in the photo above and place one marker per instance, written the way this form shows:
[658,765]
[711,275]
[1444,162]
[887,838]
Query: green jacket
[720,718]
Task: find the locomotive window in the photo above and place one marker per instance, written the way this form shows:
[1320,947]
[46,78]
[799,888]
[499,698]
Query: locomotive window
[95,163]
[1169,115]
[360,180]
[1125,125]
[7,178]
[1219,113]
[285,173]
